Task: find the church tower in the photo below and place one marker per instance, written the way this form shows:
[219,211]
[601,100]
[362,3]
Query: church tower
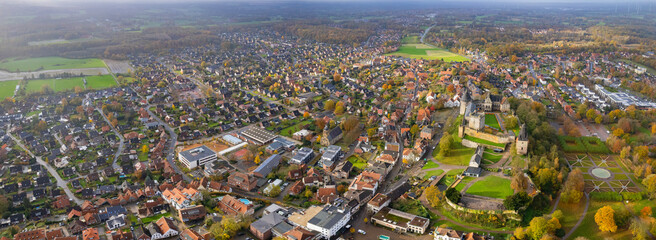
[522,141]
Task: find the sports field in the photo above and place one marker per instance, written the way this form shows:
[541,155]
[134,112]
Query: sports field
[411,48]
[67,84]
[7,88]
[49,63]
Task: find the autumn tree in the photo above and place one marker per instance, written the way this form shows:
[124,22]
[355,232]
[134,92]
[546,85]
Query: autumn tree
[414,129]
[646,212]
[446,143]
[516,201]
[519,182]
[4,204]
[433,195]
[339,110]
[605,219]
[145,149]
[537,228]
[573,190]
[329,105]
[337,77]
[650,184]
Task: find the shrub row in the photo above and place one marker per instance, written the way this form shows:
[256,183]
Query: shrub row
[606,196]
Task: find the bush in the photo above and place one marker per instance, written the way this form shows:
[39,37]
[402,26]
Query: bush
[606,196]
[594,145]
[516,201]
[453,195]
[633,196]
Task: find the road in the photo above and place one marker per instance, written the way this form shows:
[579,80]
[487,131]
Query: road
[60,182]
[173,139]
[121,145]
[424,35]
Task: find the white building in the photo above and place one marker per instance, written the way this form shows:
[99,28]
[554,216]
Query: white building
[198,156]
[330,219]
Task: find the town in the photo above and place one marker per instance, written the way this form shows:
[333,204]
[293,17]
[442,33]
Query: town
[413,124]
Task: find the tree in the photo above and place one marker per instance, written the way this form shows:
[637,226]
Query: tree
[329,105]
[225,229]
[306,114]
[516,201]
[453,195]
[445,144]
[433,195]
[605,219]
[337,77]
[414,129]
[256,160]
[573,190]
[371,132]
[274,191]
[625,124]
[537,227]
[339,110]
[145,149]
[650,184]
[4,204]
[519,233]
[639,229]
[519,182]
[646,212]
[558,214]
[41,126]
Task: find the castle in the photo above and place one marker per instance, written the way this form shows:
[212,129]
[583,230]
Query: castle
[521,144]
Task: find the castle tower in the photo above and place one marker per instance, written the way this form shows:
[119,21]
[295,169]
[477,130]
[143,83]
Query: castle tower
[522,141]
[464,101]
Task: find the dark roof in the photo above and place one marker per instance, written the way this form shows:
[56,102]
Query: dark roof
[473,170]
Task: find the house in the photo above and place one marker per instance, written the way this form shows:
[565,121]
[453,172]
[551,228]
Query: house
[450,234]
[366,181]
[262,227]
[115,222]
[38,234]
[297,188]
[153,206]
[330,157]
[243,181]
[161,229]
[90,234]
[331,136]
[303,156]
[378,202]
[189,234]
[474,169]
[401,221]
[55,234]
[343,169]
[122,235]
[232,206]
[326,194]
[192,213]
[267,166]
[181,198]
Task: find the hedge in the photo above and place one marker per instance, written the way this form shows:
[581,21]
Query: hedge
[597,147]
[632,196]
[578,147]
[606,196]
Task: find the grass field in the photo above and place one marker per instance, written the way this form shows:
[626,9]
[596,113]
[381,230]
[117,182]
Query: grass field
[49,63]
[7,88]
[492,157]
[294,128]
[411,48]
[571,213]
[67,84]
[463,183]
[430,164]
[449,178]
[589,228]
[431,173]
[483,141]
[491,121]
[491,186]
[459,155]
[358,162]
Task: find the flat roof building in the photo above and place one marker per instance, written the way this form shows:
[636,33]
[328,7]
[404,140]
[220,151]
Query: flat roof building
[258,136]
[400,221]
[198,156]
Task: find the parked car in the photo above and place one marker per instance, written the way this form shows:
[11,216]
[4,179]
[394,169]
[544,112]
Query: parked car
[362,232]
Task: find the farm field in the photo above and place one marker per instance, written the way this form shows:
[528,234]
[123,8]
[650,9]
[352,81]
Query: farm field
[411,48]
[491,186]
[7,88]
[49,63]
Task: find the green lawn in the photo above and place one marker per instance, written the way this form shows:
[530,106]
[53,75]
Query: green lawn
[459,155]
[492,157]
[463,183]
[294,128]
[49,63]
[416,50]
[491,121]
[491,186]
[7,88]
[483,141]
[590,229]
[430,164]
[571,213]
[358,162]
[100,82]
[68,84]
[431,173]
[449,178]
